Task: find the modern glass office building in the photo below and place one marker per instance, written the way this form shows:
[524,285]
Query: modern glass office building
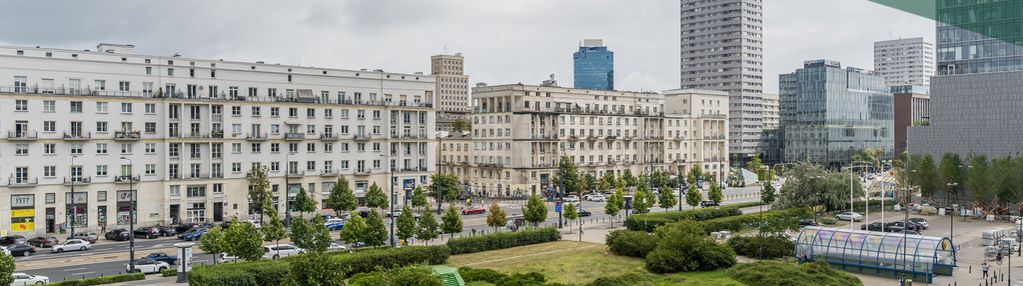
[829,113]
[979,36]
[594,66]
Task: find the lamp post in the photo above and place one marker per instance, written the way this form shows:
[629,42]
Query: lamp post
[390,200]
[287,189]
[952,214]
[131,215]
[851,183]
[74,206]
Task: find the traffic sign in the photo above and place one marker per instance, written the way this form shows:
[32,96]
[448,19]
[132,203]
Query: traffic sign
[557,208]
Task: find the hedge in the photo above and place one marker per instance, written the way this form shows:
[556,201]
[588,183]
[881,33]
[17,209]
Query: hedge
[171,272]
[740,222]
[773,246]
[478,275]
[630,242]
[274,272]
[102,280]
[501,240]
[650,221]
[778,273]
[631,279]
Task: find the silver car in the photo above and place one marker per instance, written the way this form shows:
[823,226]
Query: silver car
[849,216]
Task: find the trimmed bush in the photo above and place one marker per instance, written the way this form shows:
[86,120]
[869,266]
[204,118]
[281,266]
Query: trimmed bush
[778,273]
[774,246]
[169,272]
[631,279]
[630,243]
[470,274]
[405,276]
[503,240]
[275,272]
[685,247]
[650,221]
[102,280]
[740,222]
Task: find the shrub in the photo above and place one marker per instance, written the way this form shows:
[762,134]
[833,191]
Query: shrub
[650,221]
[169,272]
[368,261]
[102,280]
[774,246]
[740,222]
[630,243]
[260,272]
[503,240]
[684,247]
[406,276]
[777,273]
[316,269]
[470,274]
[523,279]
[631,279]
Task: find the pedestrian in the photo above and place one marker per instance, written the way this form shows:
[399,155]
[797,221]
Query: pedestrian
[984,268]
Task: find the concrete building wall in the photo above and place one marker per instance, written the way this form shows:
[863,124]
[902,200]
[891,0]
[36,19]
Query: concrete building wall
[904,61]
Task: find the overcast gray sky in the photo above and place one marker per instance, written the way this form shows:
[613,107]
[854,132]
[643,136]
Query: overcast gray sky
[503,41]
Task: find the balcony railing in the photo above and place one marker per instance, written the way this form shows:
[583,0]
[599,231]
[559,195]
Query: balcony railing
[257,136]
[125,179]
[77,136]
[22,136]
[329,173]
[296,173]
[129,135]
[15,182]
[361,137]
[362,172]
[412,169]
[328,137]
[83,180]
[294,136]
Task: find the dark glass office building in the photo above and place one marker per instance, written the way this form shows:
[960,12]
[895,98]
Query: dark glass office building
[594,66]
[829,113]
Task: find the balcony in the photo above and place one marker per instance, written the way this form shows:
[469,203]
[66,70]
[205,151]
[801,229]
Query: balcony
[77,136]
[490,165]
[328,137]
[219,134]
[329,173]
[22,182]
[296,174]
[130,135]
[611,137]
[362,172]
[199,176]
[84,180]
[257,136]
[23,136]
[194,135]
[290,136]
[592,137]
[413,169]
[361,137]
[217,117]
[126,179]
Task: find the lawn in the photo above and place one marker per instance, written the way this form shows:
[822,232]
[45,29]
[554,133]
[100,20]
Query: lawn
[578,263]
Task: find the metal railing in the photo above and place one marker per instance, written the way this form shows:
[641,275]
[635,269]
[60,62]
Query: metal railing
[23,135]
[83,180]
[257,136]
[15,182]
[88,91]
[75,136]
[128,135]
[294,136]
[126,179]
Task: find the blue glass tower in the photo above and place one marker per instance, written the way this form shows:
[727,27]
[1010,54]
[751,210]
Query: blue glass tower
[594,66]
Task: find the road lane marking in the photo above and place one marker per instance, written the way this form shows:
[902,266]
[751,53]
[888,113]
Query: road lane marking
[81,273]
[75,269]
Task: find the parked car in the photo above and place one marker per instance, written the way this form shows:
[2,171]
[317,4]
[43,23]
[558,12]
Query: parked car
[147,266]
[182,228]
[874,226]
[571,198]
[71,245]
[911,232]
[167,230]
[584,213]
[849,216]
[147,232]
[195,234]
[91,237]
[396,213]
[254,223]
[12,239]
[336,246]
[119,234]
[364,214]
[26,279]
[595,197]
[921,221]
[21,249]
[709,204]
[43,241]
[475,210]
[224,257]
[896,226]
[332,221]
[280,250]
[807,222]
[163,257]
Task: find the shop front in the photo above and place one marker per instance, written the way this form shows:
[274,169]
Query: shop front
[23,213]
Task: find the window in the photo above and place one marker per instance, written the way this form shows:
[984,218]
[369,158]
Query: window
[99,84]
[310,147]
[101,148]
[275,148]
[170,71]
[236,167]
[150,108]
[76,149]
[275,112]
[255,111]
[217,150]
[101,107]
[49,149]
[150,169]
[126,148]
[49,106]
[147,89]
[21,105]
[150,127]
[236,148]
[174,190]
[218,188]
[253,91]
[49,126]
[150,148]
[101,170]
[102,127]
[236,111]
[310,112]
[310,165]
[328,147]
[126,107]
[328,113]
[49,171]
[21,149]
[124,86]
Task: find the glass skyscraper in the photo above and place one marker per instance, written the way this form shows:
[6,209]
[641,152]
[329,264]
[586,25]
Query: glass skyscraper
[594,66]
[829,113]
[979,36]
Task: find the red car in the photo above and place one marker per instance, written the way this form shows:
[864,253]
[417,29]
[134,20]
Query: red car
[470,211]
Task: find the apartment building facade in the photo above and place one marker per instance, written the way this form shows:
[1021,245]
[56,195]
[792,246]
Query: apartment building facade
[521,131]
[180,135]
[452,89]
[904,61]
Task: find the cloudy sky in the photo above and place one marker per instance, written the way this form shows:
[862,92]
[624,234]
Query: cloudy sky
[503,41]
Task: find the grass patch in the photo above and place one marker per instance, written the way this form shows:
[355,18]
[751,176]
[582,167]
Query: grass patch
[578,263]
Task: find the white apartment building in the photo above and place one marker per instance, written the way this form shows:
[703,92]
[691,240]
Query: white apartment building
[771,109]
[521,131]
[183,133]
[904,61]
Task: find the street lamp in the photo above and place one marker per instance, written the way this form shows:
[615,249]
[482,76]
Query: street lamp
[390,164]
[131,215]
[952,214]
[74,206]
[851,209]
[287,189]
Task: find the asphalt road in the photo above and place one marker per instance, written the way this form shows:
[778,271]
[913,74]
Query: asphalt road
[109,257]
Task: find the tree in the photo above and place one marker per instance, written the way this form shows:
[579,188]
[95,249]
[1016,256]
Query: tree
[755,165]
[569,176]
[695,175]
[870,156]
[243,240]
[684,246]
[461,125]
[320,236]
[693,196]
[666,199]
[212,242]
[375,197]
[341,197]
[496,218]
[608,181]
[353,229]
[427,227]
[620,202]
[451,221]
[535,211]
[301,233]
[375,233]
[611,206]
[7,268]
[630,180]
[978,179]
[926,175]
[767,196]
[445,188]
[259,190]
[303,203]
[590,182]
[639,202]
[810,185]
[406,224]
[316,269]
[418,198]
[950,169]
[715,192]
[273,231]
[570,214]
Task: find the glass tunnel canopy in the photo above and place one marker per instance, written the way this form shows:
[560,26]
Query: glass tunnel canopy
[881,253]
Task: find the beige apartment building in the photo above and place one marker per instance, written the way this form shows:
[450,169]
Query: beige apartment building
[452,89]
[520,132]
